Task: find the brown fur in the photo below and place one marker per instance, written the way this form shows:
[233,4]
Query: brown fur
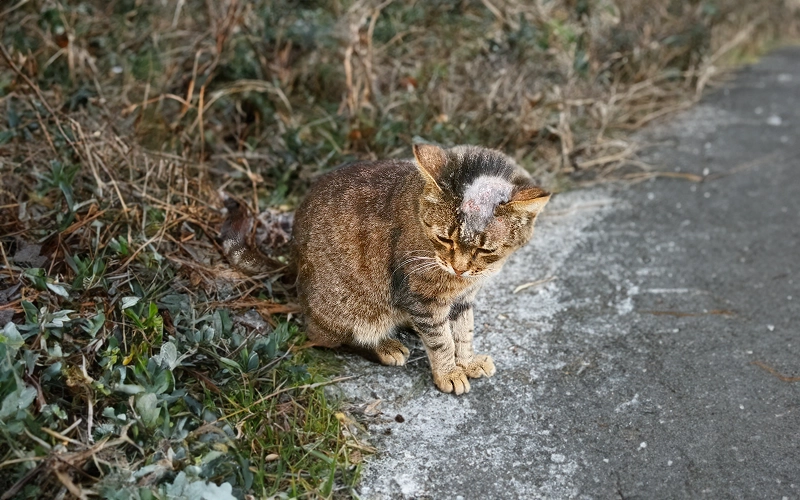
[396,243]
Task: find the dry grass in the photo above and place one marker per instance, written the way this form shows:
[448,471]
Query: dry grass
[270,93]
[122,121]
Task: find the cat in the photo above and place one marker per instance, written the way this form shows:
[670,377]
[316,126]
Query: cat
[391,244]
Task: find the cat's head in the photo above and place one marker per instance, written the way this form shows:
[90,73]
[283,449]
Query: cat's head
[476,208]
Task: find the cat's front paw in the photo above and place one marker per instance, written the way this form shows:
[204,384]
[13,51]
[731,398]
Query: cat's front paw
[391,352]
[480,366]
[453,381]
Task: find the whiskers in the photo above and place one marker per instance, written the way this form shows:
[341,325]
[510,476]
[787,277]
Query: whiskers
[424,266]
[422,261]
[418,261]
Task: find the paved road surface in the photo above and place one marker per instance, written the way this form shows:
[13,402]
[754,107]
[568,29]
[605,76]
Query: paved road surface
[662,361]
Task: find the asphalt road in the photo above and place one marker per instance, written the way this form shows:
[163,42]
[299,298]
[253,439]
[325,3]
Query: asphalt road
[661,360]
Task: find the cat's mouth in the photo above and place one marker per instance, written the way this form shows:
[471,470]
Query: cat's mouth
[449,269]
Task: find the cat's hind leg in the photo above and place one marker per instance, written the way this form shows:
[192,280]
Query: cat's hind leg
[376,342]
[321,336]
[391,352]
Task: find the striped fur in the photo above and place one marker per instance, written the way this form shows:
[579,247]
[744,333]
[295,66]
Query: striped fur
[385,245]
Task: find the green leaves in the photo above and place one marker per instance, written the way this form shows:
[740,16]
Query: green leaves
[182,488]
[88,272]
[277,338]
[61,176]
[93,325]
[37,276]
[10,342]
[18,400]
[147,320]
[42,282]
[120,245]
[15,395]
[147,406]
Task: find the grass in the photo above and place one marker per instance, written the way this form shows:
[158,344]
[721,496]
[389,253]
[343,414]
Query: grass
[134,363]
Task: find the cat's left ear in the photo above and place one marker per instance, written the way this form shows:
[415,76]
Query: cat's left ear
[531,200]
[430,161]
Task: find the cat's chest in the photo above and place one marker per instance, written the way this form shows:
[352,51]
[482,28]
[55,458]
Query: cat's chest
[442,290]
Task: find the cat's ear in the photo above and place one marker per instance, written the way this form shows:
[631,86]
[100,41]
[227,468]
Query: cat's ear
[430,161]
[531,200]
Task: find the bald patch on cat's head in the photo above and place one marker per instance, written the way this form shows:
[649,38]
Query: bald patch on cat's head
[467,163]
[479,201]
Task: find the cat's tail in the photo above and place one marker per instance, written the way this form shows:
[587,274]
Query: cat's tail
[234,237]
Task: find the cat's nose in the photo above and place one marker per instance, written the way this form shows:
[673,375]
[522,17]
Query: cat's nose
[460,272]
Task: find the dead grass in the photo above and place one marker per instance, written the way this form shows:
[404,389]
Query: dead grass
[271,93]
[123,120]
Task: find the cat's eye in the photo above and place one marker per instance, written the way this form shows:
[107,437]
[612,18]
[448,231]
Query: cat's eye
[485,251]
[444,240]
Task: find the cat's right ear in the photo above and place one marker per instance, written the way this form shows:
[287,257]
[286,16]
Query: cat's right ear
[530,200]
[430,161]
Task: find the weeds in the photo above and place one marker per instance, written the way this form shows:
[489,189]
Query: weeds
[133,362]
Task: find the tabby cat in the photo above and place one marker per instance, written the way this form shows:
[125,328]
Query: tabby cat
[394,244]
[381,246]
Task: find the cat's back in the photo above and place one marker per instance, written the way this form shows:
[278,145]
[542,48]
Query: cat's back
[365,178]
[357,192]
